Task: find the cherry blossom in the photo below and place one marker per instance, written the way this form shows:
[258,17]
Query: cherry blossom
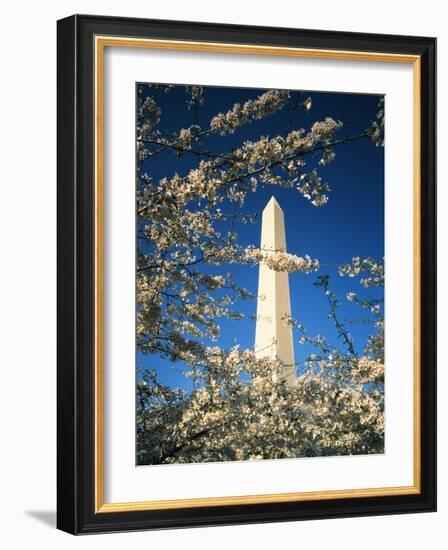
[188,225]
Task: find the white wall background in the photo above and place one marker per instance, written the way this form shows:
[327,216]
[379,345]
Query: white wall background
[27,273]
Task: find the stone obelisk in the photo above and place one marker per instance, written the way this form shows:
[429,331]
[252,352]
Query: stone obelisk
[273,338]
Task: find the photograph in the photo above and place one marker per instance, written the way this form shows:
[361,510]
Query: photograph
[226,332]
[246,240]
[259,274]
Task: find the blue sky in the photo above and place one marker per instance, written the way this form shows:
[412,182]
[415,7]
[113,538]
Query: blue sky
[350,224]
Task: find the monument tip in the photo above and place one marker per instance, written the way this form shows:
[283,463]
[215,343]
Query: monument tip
[273,203]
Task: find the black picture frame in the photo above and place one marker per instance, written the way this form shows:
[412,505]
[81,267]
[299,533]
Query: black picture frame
[76,511]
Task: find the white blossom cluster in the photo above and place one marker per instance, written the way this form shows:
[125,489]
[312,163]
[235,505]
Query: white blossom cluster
[312,188]
[366,370]
[241,411]
[282,261]
[238,175]
[196,98]
[268,103]
[148,117]
[372,268]
[187,230]
[325,129]
[376,129]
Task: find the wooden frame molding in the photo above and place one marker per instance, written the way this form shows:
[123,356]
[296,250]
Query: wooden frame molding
[82,41]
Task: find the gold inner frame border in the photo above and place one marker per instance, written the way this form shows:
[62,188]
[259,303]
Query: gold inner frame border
[100,43]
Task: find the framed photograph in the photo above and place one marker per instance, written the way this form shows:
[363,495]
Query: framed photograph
[246,266]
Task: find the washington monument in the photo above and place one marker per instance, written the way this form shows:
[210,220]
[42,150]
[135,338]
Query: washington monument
[273,338]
